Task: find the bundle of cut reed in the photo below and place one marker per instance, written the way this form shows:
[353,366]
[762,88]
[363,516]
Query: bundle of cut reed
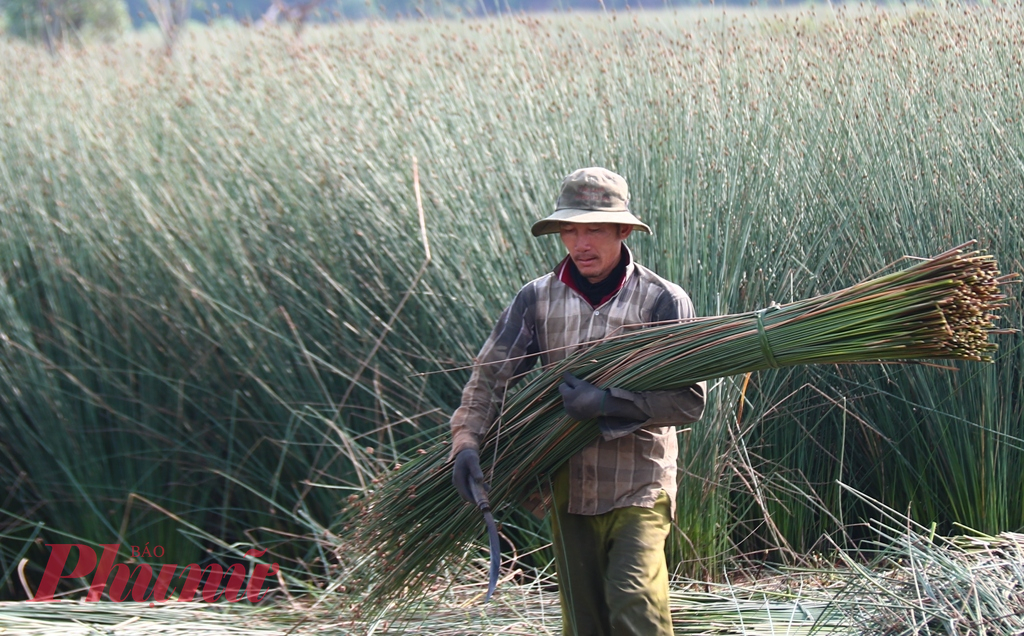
[941,308]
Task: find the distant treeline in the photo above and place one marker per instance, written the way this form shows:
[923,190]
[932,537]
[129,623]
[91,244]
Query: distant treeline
[247,11]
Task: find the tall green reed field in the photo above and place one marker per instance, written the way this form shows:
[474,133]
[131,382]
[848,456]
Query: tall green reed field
[203,258]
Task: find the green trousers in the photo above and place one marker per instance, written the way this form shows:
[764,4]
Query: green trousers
[612,575]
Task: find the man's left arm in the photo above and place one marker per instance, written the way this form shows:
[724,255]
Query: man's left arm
[679,406]
[620,412]
[666,408]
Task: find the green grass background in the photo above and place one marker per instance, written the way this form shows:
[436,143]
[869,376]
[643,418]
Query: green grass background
[200,253]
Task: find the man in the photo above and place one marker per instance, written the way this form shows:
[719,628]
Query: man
[613,501]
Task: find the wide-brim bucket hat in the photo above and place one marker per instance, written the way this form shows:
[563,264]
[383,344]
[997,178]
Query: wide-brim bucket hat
[591,195]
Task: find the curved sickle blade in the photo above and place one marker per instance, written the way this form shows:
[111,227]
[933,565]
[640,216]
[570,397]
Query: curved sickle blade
[480,496]
[492,530]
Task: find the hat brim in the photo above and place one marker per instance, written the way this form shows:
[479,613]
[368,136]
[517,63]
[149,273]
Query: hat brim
[553,223]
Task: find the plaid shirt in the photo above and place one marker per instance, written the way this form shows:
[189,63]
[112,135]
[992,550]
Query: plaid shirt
[550,320]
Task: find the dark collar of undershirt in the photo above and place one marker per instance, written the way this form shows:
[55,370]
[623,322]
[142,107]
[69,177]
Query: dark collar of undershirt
[600,292]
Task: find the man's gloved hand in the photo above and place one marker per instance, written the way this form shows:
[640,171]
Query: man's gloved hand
[617,416]
[466,470]
[582,400]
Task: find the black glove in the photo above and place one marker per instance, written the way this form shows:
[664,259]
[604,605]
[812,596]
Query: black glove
[466,471]
[617,416]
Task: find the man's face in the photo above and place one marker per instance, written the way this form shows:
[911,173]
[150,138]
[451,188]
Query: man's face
[595,248]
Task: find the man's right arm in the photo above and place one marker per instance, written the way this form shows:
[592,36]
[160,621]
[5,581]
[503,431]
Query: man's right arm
[509,352]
